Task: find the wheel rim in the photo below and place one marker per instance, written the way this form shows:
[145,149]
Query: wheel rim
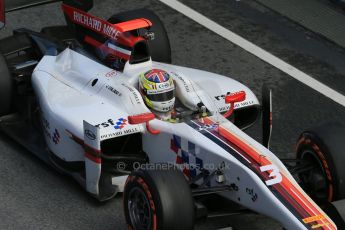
[139,210]
[314,181]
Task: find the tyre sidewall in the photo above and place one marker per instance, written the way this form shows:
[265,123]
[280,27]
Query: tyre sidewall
[167,201]
[310,142]
[140,182]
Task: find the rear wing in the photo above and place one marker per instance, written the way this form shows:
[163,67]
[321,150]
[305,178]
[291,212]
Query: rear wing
[111,42]
[112,31]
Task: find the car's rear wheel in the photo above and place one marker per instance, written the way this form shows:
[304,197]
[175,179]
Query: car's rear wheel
[6,90]
[323,149]
[159,47]
[158,199]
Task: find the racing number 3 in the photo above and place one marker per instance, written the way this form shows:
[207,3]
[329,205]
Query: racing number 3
[275,174]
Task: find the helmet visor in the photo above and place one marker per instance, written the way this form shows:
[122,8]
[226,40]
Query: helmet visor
[160,97]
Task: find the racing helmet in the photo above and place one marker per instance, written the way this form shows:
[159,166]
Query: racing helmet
[157,89]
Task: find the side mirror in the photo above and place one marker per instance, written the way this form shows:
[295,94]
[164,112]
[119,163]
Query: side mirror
[143,118]
[2,14]
[232,99]
[235,97]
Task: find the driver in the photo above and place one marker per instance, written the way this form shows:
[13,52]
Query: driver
[158,91]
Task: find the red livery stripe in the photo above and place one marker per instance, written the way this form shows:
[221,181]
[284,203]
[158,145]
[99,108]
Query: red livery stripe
[93,158]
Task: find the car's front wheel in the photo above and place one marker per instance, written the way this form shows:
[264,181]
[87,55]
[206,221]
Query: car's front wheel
[323,150]
[158,199]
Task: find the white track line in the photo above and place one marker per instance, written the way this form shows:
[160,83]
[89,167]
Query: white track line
[257,51]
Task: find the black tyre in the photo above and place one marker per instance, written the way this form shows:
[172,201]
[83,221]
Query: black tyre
[5,87]
[324,149]
[159,47]
[158,199]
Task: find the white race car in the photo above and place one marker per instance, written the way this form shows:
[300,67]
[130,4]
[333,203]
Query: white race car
[70,95]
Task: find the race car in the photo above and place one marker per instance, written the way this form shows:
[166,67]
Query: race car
[99,100]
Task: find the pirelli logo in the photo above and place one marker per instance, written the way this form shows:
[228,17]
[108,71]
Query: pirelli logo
[313,219]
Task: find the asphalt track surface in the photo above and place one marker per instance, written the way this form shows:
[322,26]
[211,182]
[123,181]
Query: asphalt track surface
[33,196]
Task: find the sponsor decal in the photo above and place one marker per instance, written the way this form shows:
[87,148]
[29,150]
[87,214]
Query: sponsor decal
[56,137]
[313,218]
[88,21]
[134,92]
[163,86]
[106,124]
[89,134]
[112,73]
[222,97]
[110,31]
[120,132]
[224,108]
[136,97]
[185,85]
[244,104]
[237,105]
[121,123]
[92,22]
[251,193]
[113,90]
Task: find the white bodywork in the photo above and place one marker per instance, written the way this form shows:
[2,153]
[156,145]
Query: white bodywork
[74,102]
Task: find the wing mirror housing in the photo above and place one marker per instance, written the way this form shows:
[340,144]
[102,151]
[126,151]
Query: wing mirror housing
[232,99]
[143,118]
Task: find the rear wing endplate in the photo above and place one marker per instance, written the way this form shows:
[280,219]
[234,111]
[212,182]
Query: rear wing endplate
[266,116]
